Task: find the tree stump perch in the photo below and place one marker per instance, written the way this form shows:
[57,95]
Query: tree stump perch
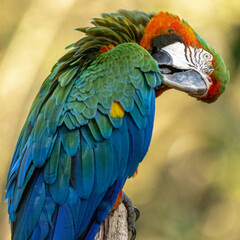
[115,226]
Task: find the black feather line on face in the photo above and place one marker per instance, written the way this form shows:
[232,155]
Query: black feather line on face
[160,41]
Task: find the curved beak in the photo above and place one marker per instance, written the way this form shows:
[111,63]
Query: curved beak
[188,80]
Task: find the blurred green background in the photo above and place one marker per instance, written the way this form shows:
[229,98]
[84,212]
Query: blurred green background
[188,186]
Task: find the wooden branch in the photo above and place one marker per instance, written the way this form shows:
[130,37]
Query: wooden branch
[115,226]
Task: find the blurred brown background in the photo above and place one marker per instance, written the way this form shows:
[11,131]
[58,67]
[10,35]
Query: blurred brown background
[188,186]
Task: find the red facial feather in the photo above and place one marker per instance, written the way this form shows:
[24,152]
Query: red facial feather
[213,91]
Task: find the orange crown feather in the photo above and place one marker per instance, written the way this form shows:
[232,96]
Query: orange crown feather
[164,23]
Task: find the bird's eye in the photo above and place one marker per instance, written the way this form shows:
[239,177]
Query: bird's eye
[207,56]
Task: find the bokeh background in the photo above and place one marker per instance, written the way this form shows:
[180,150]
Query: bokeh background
[188,186]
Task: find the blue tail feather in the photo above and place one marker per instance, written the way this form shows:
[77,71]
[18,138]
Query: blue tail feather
[64,228]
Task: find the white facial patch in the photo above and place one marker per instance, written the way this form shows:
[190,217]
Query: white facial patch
[190,58]
[178,54]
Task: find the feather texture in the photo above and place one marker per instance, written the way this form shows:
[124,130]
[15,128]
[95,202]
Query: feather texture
[73,157]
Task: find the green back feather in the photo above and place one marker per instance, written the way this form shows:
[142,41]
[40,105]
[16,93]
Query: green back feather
[114,28]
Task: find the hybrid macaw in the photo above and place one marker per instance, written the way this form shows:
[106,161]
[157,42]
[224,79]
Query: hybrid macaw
[91,123]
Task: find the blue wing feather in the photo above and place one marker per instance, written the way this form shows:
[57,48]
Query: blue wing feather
[18,191]
[59,189]
[103,165]
[40,149]
[120,140]
[136,146]
[24,166]
[116,122]
[64,228]
[149,126]
[87,169]
[87,135]
[45,220]
[72,157]
[139,120]
[37,234]
[31,209]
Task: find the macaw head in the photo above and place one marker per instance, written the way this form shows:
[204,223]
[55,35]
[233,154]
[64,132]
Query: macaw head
[186,61]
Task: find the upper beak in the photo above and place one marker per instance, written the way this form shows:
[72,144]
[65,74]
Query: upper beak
[186,80]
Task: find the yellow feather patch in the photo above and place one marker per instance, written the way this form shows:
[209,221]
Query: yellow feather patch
[117,110]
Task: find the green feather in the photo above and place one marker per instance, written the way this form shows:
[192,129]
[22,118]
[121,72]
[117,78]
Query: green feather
[68,121]
[151,78]
[53,118]
[129,90]
[39,128]
[93,127]
[77,107]
[67,76]
[91,102]
[81,119]
[61,93]
[104,31]
[127,103]
[89,113]
[50,169]
[70,140]
[48,108]
[104,125]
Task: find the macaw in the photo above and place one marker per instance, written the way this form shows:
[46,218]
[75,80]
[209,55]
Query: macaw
[91,123]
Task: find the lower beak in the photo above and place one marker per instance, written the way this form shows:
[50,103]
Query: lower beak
[188,81]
